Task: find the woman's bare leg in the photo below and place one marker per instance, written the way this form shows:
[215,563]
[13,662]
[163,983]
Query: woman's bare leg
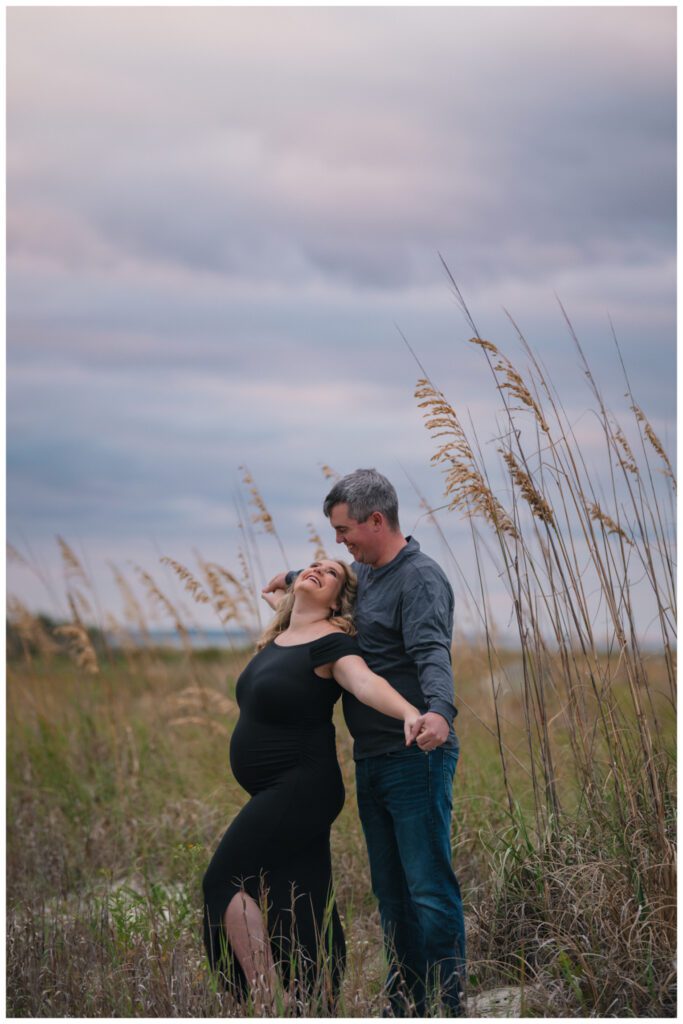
[246,931]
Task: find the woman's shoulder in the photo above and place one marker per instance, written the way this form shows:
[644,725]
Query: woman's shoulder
[332,646]
[335,634]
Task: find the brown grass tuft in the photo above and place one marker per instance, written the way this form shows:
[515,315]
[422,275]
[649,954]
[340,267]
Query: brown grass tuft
[596,513]
[539,506]
[191,582]
[465,484]
[79,645]
[655,442]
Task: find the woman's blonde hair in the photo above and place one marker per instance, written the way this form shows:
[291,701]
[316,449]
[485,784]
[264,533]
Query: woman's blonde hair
[343,618]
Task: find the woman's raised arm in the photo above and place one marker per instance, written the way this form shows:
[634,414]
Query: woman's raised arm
[353,675]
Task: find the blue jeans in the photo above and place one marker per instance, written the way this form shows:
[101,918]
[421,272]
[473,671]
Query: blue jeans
[405,803]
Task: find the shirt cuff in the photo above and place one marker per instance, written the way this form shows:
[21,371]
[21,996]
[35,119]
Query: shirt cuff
[443,708]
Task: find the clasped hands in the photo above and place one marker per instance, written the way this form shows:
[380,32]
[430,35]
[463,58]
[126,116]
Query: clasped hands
[429,731]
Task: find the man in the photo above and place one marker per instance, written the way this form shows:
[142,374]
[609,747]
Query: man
[404,617]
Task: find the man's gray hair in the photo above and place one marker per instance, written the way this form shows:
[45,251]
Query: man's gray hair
[365,491]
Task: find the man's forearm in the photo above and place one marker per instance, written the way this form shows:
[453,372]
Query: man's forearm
[435,675]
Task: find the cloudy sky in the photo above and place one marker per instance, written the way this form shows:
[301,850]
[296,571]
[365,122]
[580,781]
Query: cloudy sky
[218,217]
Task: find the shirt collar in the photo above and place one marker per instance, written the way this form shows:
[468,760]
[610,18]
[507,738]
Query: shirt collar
[411,548]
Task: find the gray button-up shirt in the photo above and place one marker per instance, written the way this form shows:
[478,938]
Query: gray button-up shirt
[404,617]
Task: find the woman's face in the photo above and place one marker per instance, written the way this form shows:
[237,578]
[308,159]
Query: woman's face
[323,581]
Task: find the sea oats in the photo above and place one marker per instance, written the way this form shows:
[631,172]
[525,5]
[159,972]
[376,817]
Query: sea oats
[72,566]
[79,599]
[30,629]
[158,597]
[204,722]
[15,556]
[261,515]
[79,646]
[223,602]
[627,458]
[120,634]
[132,609]
[598,515]
[243,595]
[515,385]
[513,382]
[482,343]
[315,539]
[537,503]
[329,473]
[655,442]
[465,484]
[196,696]
[190,582]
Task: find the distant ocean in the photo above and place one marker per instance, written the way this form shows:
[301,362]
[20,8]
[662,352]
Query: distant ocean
[201,639]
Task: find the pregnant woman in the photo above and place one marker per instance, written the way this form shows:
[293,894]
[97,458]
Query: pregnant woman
[268,897]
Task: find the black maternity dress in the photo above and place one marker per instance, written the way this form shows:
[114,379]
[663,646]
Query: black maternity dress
[283,753]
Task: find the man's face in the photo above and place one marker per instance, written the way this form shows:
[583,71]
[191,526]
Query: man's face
[361,539]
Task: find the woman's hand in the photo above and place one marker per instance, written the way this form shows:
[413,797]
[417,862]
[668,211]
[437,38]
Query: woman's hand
[412,723]
[273,598]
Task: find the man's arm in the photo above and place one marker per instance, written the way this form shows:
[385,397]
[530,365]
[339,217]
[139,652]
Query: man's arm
[427,626]
[279,582]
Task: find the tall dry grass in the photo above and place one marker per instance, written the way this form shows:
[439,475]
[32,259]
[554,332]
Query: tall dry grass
[586,886]
[564,823]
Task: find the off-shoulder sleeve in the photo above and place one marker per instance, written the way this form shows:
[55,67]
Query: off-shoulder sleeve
[331,647]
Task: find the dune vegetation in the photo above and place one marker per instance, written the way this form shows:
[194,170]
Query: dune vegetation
[565,798]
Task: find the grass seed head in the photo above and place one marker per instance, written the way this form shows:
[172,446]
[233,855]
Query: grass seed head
[191,583]
[79,646]
[537,503]
[465,484]
[597,514]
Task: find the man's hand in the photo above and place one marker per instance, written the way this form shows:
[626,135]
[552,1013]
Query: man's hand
[412,724]
[434,731]
[273,598]
[278,582]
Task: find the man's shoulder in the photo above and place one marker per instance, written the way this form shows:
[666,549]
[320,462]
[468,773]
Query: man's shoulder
[418,563]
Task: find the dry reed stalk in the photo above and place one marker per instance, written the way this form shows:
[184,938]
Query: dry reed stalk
[132,609]
[199,705]
[513,381]
[72,565]
[15,556]
[597,514]
[247,555]
[79,646]
[465,484]
[201,720]
[329,473]
[261,515]
[316,540]
[30,630]
[191,583]
[537,503]
[247,583]
[655,442]
[224,604]
[76,598]
[626,459]
[158,597]
[562,584]
[242,601]
[125,640]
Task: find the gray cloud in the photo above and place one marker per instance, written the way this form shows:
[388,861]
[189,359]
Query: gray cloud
[217,216]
